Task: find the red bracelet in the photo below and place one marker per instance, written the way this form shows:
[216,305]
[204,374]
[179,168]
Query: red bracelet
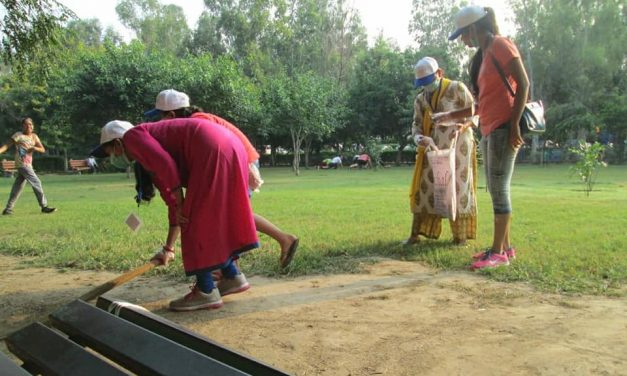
[168,249]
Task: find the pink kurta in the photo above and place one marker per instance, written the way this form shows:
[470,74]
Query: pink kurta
[212,164]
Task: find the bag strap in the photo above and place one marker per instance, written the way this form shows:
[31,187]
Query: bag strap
[502,74]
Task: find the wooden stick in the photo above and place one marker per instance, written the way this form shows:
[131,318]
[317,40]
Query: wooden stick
[131,274]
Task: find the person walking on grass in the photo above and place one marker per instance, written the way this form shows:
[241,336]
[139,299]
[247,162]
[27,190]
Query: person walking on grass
[499,116]
[213,215]
[172,104]
[26,142]
[442,113]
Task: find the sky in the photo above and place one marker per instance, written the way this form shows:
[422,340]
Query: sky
[390,17]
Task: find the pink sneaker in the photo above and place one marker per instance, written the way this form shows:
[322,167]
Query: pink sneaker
[491,260]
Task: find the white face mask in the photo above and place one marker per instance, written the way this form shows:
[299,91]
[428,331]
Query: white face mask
[432,87]
[120,161]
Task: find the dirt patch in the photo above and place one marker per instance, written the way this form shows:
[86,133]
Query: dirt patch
[397,318]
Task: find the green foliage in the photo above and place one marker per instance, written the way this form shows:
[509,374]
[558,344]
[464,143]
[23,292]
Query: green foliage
[587,166]
[574,53]
[380,90]
[159,27]
[305,106]
[29,29]
[49,163]
[249,61]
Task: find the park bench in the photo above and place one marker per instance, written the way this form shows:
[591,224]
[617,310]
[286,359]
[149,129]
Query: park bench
[8,168]
[78,165]
[121,338]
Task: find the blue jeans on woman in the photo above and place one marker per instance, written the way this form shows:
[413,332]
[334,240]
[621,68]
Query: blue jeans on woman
[499,158]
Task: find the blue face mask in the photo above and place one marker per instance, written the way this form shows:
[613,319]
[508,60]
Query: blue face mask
[416,84]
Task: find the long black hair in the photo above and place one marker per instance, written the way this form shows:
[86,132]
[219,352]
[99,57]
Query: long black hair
[488,24]
[143,184]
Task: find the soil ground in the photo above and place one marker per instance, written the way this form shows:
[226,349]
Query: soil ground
[395,318]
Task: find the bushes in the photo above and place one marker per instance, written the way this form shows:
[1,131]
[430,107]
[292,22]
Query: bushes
[49,163]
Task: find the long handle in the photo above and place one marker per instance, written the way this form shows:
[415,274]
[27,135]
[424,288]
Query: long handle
[97,291]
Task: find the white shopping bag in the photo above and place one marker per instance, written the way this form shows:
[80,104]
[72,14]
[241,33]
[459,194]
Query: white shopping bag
[443,164]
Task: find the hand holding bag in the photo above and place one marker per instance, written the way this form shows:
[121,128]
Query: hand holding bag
[532,119]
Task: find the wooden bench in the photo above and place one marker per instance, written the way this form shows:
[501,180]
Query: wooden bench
[8,168]
[78,165]
[128,339]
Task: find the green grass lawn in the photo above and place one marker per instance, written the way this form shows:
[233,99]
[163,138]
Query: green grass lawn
[566,242]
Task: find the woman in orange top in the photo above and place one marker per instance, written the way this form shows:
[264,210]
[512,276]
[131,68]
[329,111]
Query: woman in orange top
[499,115]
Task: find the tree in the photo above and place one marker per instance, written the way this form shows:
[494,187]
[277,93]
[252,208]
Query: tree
[86,32]
[159,27]
[304,107]
[381,94]
[29,27]
[575,53]
[430,26]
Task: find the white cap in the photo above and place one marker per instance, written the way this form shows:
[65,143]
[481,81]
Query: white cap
[466,17]
[170,100]
[425,70]
[426,67]
[112,130]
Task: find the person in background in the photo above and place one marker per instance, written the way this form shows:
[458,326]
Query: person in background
[325,164]
[442,117]
[364,161]
[26,142]
[172,104]
[499,115]
[92,164]
[213,215]
[336,162]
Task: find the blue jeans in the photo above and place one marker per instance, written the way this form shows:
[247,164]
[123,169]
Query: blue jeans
[499,158]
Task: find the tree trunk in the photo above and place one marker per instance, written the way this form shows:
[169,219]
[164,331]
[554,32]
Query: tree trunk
[620,147]
[399,153]
[308,142]
[296,141]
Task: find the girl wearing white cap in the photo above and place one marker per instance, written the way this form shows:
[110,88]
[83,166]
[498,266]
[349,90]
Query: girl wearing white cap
[213,214]
[499,114]
[442,112]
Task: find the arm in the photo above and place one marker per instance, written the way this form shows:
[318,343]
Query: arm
[464,105]
[522,91]
[38,145]
[454,116]
[6,146]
